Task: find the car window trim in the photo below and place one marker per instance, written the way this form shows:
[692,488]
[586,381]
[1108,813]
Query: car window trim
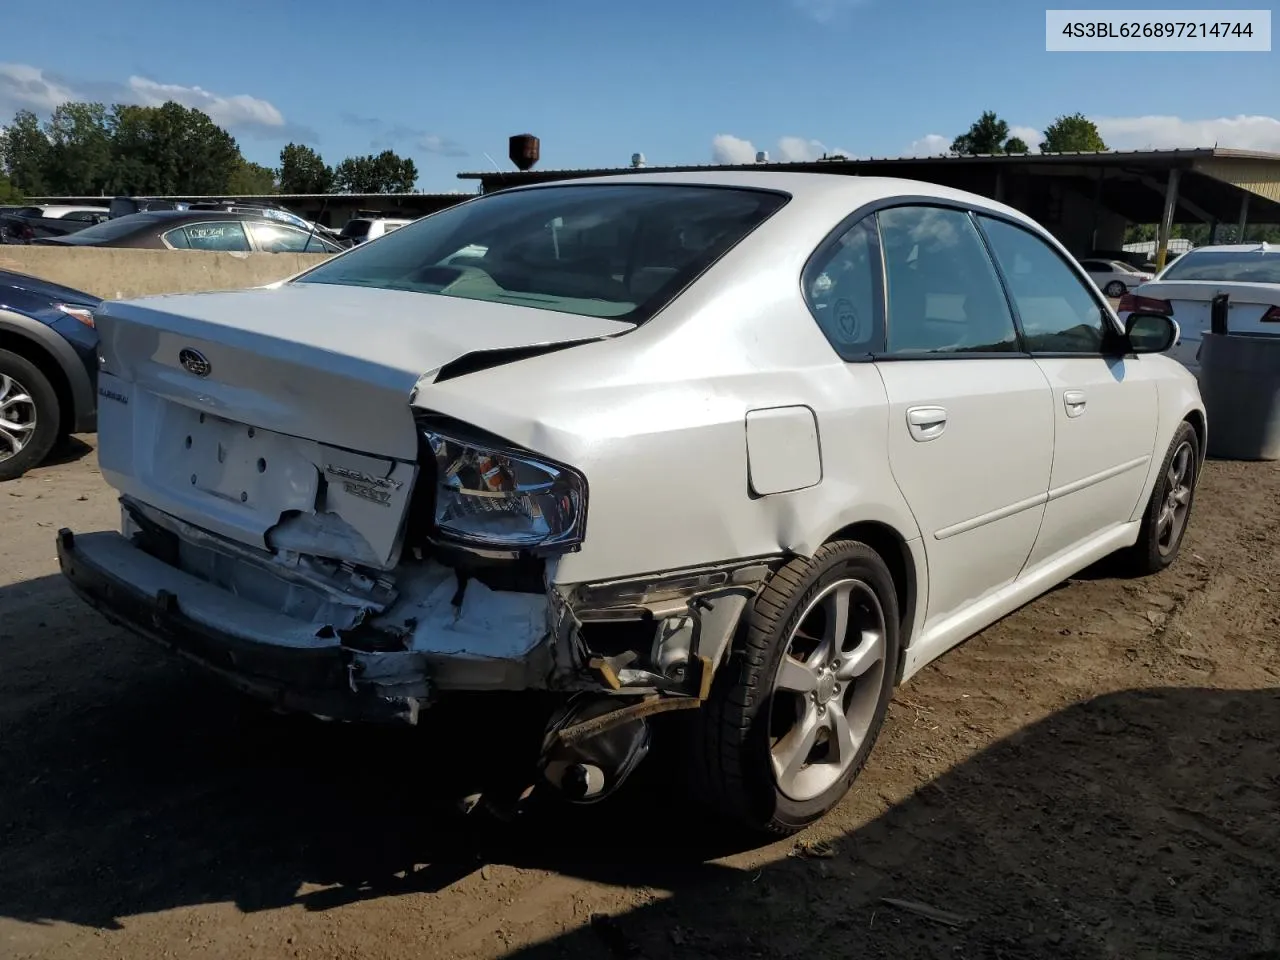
[956,207]
[829,243]
[873,208]
[1073,267]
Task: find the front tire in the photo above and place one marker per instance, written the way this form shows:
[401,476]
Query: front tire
[797,707]
[1169,510]
[29,415]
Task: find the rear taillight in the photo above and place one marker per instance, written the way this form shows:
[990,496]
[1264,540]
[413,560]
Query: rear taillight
[1132,303]
[1272,315]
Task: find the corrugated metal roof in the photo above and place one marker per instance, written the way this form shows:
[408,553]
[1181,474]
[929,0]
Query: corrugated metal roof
[278,197]
[1115,156]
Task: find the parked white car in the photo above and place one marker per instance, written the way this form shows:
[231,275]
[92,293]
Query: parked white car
[756,444]
[1247,273]
[1114,277]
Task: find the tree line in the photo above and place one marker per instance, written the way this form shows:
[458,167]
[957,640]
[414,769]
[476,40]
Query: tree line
[92,149]
[1067,134]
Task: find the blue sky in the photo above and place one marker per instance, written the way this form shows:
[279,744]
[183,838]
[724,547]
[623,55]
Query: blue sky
[681,82]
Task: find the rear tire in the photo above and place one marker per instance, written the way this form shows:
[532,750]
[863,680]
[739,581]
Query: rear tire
[792,716]
[1168,511]
[29,415]
[1115,289]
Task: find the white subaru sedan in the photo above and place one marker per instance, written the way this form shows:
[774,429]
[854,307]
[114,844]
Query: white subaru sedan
[758,446]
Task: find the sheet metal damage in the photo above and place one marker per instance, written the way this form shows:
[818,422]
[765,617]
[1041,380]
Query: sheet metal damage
[338,640]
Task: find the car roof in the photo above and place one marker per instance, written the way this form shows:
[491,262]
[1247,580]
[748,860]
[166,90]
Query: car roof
[847,191]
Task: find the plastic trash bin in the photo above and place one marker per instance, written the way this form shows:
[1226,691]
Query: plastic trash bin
[1240,384]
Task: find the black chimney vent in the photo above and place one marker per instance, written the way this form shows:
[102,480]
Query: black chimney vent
[524,151]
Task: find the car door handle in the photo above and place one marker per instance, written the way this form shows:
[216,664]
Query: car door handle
[1075,402]
[926,423]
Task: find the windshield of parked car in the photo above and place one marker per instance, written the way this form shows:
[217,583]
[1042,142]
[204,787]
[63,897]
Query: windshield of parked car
[617,251]
[108,230]
[1226,265]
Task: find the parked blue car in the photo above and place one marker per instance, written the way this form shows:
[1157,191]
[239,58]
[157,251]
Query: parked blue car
[48,369]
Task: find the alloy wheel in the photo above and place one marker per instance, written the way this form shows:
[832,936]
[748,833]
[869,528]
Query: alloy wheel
[1176,505]
[18,417]
[825,691]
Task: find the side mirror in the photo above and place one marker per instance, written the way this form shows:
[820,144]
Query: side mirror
[1151,332]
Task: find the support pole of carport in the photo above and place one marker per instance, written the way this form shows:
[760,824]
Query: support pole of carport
[1166,221]
[1097,213]
[1244,218]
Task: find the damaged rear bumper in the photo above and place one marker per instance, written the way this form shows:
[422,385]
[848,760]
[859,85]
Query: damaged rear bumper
[269,655]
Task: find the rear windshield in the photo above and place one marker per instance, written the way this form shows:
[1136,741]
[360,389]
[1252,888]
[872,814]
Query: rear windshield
[618,251]
[1245,265]
[109,229]
[355,229]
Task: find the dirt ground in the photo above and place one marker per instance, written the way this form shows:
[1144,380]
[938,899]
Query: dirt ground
[1096,776]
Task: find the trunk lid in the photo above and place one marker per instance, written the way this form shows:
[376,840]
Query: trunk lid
[289,425]
[1191,302]
[1191,298]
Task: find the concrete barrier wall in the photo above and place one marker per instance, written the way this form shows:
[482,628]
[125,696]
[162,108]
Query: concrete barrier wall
[114,274]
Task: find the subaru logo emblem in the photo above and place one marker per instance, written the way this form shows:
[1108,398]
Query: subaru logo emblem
[193,361]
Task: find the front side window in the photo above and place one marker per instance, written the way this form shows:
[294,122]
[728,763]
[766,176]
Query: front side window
[943,291]
[1226,265]
[223,235]
[841,290]
[1057,310]
[278,238]
[617,251]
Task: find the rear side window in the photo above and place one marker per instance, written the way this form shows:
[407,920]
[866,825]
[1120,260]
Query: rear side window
[110,229]
[1226,265]
[943,291]
[1058,313]
[841,288]
[618,251]
[222,235]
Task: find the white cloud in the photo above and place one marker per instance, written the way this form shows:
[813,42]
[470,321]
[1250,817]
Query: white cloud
[434,143]
[1164,132]
[1029,135]
[800,150]
[930,145]
[240,110]
[24,87]
[825,11]
[726,148]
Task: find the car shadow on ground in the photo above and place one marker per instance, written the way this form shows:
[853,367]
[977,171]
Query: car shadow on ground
[1140,823]
[69,450]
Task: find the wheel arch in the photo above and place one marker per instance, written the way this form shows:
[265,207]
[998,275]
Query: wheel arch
[1200,425]
[54,358]
[894,550]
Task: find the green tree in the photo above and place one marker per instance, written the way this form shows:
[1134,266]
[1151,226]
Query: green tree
[1070,134]
[302,170]
[171,149]
[26,154]
[988,134]
[80,154]
[387,172]
[252,179]
[1016,145]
